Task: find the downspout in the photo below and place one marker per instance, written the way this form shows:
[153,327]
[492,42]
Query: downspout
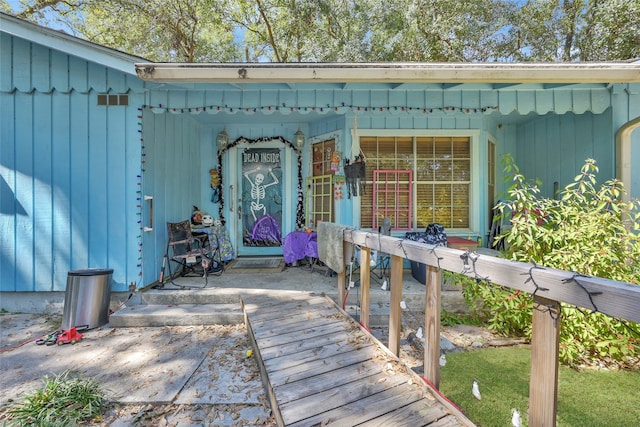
[623,154]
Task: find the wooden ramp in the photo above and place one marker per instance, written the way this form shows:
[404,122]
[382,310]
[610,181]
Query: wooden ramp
[321,368]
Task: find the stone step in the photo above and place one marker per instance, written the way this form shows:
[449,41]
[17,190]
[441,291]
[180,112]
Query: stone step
[159,307]
[154,315]
[378,317]
[191,296]
[232,295]
[452,301]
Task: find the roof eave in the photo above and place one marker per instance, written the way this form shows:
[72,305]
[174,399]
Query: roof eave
[391,72]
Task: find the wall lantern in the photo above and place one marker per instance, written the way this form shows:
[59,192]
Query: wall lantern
[222,139]
[298,137]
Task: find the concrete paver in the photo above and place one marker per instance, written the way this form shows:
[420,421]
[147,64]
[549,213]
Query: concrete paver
[200,371]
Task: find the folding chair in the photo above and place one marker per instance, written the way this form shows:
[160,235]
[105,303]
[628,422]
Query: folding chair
[192,254]
[382,260]
[379,261]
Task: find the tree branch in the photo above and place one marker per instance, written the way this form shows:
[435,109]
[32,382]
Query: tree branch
[267,23]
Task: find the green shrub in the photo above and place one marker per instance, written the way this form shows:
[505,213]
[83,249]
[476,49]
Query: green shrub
[63,400]
[588,230]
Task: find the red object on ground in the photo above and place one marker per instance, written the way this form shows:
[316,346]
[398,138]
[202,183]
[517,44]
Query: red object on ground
[69,336]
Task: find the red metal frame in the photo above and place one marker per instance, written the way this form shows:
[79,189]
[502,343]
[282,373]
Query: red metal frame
[387,182]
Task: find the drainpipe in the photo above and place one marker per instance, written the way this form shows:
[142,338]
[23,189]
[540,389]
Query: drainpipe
[623,154]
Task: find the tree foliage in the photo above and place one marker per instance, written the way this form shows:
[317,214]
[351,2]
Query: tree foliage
[160,30]
[351,30]
[589,230]
[439,30]
[300,30]
[575,30]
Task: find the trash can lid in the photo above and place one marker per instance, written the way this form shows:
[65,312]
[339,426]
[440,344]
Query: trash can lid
[91,272]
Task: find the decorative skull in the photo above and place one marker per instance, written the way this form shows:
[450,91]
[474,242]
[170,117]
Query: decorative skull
[217,222]
[207,220]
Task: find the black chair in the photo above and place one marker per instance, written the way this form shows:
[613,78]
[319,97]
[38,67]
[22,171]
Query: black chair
[383,260]
[380,262]
[192,254]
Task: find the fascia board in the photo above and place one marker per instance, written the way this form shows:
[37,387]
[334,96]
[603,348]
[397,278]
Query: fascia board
[392,72]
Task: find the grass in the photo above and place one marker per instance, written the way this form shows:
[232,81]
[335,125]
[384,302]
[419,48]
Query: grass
[585,398]
[63,400]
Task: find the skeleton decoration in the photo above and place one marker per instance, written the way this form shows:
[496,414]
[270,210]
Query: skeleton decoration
[258,192]
[261,208]
[207,220]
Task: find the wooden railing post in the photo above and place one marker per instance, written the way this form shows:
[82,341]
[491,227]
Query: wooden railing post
[342,287]
[395,312]
[545,339]
[365,278]
[432,325]
[342,276]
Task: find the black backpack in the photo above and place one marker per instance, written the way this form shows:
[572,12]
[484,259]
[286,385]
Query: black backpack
[435,235]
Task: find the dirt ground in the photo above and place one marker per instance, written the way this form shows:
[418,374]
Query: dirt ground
[165,376]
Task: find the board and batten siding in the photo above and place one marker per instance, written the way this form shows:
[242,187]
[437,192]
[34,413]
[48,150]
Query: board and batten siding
[68,169]
[173,176]
[553,148]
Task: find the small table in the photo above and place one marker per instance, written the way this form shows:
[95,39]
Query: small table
[461,244]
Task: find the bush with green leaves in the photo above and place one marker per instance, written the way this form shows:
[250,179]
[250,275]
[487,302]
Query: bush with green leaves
[64,400]
[588,229]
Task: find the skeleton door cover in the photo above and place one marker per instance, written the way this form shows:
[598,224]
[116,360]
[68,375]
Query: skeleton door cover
[261,197]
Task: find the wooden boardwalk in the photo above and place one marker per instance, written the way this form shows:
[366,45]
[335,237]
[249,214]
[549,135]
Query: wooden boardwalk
[321,368]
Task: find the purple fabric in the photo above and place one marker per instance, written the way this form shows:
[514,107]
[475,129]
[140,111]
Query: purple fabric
[266,229]
[298,244]
[312,248]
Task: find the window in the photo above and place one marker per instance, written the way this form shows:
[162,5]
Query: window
[319,195]
[319,199]
[322,153]
[441,168]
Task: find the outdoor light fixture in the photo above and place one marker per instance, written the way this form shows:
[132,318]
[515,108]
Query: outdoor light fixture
[298,137]
[223,138]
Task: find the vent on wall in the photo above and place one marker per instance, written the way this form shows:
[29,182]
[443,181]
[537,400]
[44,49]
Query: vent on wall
[111,99]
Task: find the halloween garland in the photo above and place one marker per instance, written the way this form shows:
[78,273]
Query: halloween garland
[340,108]
[242,140]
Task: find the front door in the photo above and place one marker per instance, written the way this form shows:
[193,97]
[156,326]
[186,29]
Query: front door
[262,196]
[261,204]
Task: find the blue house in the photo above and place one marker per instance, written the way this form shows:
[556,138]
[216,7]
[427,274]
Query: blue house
[100,149]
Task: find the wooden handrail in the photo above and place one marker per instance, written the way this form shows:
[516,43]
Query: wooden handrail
[617,299]
[549,287]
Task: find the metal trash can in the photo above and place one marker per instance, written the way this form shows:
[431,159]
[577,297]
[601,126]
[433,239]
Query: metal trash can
[87,298]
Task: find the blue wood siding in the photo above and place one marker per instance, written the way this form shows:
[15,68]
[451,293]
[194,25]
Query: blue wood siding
[626,107]
[172,176]
[68,167]
[553,148]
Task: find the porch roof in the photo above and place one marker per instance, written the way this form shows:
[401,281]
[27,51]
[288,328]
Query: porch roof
[443,73]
